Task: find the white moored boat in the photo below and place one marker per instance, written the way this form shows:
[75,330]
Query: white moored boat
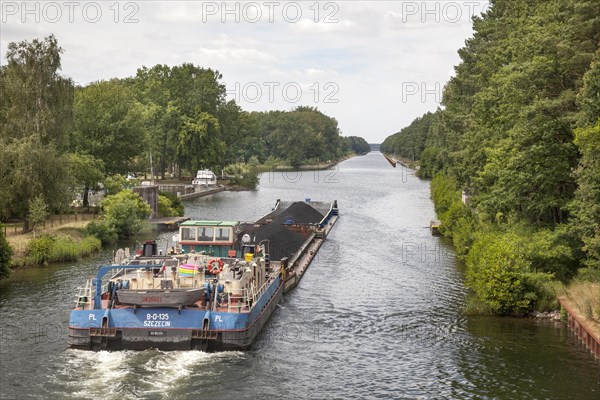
[205,177]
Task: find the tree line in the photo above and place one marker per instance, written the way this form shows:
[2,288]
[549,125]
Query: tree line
[518,133]
[57,138]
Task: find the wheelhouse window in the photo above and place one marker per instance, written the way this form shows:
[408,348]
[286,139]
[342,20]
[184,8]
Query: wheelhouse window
[188,233]
[222,234]
[205,234]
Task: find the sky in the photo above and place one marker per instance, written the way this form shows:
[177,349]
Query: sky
[375,66]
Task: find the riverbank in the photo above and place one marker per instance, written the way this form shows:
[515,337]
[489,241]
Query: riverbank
[405,162]
[514,269]
[71,228]
[70,234]
[58,224]
[580,306]
[307,167]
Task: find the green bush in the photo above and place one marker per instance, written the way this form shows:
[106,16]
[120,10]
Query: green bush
[497,272]
[444,192]
[5,255]
[547,290]
[550,251]
[512,267]
[588,274]
[245,175]
[47,249]
[464,234]
[176,203]
[101,230]
[38,250]
[115,183]
[125,212]
[165,207]
[430,162]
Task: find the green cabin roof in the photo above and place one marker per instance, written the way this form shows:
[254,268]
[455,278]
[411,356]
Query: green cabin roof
[209,223]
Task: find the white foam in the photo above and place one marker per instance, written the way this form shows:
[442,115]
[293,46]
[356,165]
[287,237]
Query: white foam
[109,375]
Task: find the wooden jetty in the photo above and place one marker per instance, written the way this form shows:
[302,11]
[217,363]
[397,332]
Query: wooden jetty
[434,227]
[168,223]
[581,329]
[390,160]
[202,193]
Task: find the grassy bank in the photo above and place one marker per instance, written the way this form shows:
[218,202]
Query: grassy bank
[48,249]
[584,297]
[67,242]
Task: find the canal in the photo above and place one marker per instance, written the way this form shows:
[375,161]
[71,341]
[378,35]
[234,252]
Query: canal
[377,315]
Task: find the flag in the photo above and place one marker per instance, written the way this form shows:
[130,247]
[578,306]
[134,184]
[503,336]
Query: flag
[187,270]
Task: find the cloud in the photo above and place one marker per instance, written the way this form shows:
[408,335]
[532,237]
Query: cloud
[339,26]
[232,55]
[369,53]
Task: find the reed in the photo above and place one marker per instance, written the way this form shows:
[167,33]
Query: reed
[48,249]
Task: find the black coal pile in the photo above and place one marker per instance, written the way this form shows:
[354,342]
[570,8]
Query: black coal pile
[299,213]
[282,241]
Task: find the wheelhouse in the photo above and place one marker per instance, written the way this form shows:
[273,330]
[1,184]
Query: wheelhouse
[215,238]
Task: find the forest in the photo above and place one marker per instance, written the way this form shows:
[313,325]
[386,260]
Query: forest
[517,137]
[58,139]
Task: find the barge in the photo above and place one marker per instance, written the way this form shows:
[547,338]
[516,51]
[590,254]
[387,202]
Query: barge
[214,290]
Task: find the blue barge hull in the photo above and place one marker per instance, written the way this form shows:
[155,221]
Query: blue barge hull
[172,329]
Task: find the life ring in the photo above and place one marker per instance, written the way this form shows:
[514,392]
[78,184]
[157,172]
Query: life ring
[213,268]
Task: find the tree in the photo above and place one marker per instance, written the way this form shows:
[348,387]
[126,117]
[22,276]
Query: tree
[36,99]
[113,184]
[199,145]
[175,95]
[36,112]
[38,212]
[520,115]
[586,204]
[110,125]
[357,145]
[124,212]
[302,136]
[410,141]
[87,173]
[5,255]
[29,169]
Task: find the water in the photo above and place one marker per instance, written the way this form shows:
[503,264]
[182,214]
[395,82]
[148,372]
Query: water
[377,315]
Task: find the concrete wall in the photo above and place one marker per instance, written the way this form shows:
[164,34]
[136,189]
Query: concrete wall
[150,196]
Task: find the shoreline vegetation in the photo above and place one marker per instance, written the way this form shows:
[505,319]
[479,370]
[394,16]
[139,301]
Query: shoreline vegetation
[61,142]
[514,158]
[66,237]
